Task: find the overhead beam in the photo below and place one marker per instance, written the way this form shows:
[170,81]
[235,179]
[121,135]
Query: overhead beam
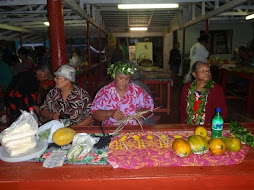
[77,9]
[27,19]
[221,9]
[22,2]
[14,28]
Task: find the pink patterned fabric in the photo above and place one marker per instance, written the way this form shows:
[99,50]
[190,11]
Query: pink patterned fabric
[134,99]
[138,150]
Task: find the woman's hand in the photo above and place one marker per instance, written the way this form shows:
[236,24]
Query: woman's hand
[55,116]
[117,114]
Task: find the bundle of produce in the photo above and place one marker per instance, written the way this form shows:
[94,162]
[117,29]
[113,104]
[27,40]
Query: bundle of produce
[46,131]
[81,145]
[20,136]
[241,133]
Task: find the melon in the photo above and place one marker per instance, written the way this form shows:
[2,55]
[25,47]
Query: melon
[198,144]
[63,136]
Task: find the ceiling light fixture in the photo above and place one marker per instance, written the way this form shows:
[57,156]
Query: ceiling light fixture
[148,6]
[46,23]
[138,28]
[249,17]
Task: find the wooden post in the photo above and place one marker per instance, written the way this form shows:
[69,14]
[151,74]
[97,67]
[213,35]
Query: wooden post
[207,26]
[183,52]
[100,45]
[57,33]
[88,42]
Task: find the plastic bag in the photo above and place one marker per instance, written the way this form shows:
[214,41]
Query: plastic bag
[24,126]
[52,126]
[20,136]
[81,145]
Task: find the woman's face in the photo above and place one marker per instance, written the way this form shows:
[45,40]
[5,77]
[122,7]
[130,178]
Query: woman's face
[122,81]
[61,82]
[42,75]
[202,73]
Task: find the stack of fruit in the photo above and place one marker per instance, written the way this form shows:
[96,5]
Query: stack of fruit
[200,143]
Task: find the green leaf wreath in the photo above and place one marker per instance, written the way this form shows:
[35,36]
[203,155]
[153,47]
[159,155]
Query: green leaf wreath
[202,103]
[123,67]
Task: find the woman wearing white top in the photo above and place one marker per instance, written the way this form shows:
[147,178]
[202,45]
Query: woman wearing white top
[198,52]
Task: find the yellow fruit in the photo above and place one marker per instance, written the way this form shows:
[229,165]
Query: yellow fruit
[201,131]
[232,144]
[217,146]
[63,136]
[198,144]
[181,147]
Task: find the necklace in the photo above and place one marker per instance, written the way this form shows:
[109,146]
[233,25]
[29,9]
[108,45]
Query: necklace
[203,101]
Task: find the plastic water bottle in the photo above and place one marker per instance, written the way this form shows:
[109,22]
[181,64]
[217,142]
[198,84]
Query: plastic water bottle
[217,124]
[31,110]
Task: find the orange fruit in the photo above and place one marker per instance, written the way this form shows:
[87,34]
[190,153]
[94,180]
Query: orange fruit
[181,147]
[232,144]
[201,131]
[217,146]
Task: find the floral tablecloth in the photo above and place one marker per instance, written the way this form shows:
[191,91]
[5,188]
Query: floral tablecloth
[94,157]
[154,149]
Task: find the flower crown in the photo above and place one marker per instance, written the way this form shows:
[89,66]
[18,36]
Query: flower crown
[123,67]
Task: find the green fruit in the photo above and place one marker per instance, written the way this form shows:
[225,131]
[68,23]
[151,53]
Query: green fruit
[198,144]
[232,144]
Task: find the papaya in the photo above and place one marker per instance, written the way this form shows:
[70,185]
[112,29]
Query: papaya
[198,144]
[181,147]
[200,130]
[63,136]
[232,144]
[217,146]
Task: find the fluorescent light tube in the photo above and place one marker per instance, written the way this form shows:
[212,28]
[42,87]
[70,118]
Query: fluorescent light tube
[148,6]
[138,28]
[46,23]
[249,17]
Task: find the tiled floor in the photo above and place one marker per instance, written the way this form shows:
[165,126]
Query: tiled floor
[236,108]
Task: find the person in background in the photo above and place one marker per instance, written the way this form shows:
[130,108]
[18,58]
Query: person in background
[67,98]
[117,54]
[243,55]
[198,52]
[7,53]
[175,60]
[23,90]
[16,66]
[121,97]
[124,48]
[201,97]
[41,55]
[5,76]
[235,55]
[26,61]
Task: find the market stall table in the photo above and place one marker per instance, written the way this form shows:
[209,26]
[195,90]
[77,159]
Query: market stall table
[157,78]
[31,175]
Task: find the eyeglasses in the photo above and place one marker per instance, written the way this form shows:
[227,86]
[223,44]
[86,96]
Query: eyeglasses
[58,77]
